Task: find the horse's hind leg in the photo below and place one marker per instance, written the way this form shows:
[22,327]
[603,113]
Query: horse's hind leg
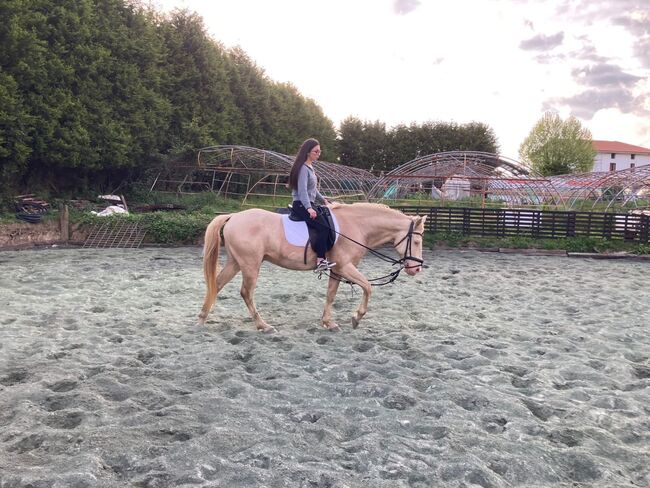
[227,273]
[249,280]
[230,269]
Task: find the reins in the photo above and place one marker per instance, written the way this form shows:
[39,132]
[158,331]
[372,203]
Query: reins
[392,276]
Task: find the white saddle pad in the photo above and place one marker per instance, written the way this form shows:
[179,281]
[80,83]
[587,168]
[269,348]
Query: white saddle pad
[297,234]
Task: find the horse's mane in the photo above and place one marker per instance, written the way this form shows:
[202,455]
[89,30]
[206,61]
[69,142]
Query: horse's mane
[370,206]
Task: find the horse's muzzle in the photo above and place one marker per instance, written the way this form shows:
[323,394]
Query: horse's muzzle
[413,271]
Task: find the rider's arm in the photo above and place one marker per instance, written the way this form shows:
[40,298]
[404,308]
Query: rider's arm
[303,195]
[319,197]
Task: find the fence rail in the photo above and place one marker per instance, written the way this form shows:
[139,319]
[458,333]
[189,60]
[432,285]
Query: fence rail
[533,223]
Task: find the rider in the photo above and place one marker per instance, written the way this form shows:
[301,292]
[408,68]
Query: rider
[304,191]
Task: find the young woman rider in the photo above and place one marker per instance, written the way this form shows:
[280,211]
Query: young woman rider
[304,191]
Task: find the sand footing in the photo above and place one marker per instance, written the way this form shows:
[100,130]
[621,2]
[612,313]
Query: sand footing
[487,369]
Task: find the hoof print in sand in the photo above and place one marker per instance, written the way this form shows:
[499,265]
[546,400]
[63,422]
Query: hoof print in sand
[26,444]
[398,401]
[15,377]
[69,420]
[63,386]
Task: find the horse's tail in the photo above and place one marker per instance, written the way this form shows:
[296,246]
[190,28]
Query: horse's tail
[211,248]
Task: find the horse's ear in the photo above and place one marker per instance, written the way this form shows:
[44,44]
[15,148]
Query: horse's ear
[419,220]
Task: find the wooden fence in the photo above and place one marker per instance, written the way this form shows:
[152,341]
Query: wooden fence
[533,223]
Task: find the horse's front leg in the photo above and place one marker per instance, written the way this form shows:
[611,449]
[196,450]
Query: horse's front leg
[332,287]
[350,272]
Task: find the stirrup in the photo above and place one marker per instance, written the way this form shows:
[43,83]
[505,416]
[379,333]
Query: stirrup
[323,266]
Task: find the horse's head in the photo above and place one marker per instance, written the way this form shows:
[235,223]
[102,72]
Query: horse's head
[409,245]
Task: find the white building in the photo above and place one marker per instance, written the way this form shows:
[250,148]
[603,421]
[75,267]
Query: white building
[615,156]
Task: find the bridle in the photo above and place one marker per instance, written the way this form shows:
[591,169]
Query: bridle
[392,276]
[407,250]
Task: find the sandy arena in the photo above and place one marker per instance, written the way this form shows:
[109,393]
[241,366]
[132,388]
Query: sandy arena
[486,370]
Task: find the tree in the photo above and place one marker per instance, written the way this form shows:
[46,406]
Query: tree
[363,144]
[555,146]
[416,140]
[350,136]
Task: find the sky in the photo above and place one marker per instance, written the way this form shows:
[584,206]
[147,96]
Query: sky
[499,62]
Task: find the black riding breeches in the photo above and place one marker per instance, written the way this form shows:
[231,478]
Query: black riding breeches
[319,224]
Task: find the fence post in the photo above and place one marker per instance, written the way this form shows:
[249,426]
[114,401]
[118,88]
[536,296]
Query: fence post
[535,224]
[501,222]
[608,225]
[64,223]
[644,228]
[433,220]
[571,224]
[466,221]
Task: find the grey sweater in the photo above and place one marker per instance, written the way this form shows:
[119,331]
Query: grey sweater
[307,190]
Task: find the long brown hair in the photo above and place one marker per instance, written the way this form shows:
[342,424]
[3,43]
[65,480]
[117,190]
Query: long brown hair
[301,157]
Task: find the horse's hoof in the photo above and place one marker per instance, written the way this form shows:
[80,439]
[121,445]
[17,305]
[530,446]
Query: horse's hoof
[331,326]
[355,323]
[268,330]
[201,321]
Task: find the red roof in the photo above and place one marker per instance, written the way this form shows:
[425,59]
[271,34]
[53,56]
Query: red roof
[618,147]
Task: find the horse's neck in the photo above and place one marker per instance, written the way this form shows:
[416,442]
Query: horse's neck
[379,226]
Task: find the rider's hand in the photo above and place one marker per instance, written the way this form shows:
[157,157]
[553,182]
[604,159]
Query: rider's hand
[311,212]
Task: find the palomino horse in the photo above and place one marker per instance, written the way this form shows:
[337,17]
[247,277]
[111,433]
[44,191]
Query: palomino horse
[256,235]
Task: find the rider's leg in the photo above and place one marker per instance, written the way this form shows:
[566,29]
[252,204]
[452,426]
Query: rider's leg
[321,226]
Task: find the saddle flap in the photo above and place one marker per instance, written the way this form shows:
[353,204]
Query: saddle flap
[297,234]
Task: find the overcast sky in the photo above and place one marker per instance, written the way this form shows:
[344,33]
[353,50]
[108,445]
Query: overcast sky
[500,62]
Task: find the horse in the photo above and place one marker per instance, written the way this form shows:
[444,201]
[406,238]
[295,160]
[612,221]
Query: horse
[257,235]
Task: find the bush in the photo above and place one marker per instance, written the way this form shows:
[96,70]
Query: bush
[173,228]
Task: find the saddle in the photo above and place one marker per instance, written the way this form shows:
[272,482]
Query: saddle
[298,234]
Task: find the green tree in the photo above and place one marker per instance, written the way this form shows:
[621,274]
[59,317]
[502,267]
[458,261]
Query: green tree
[350,145]
[555,146]
[294,118]
[197,86]
[415,140]
[363,144]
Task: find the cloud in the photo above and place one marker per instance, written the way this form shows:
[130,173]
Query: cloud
[588,53]
[638,24]
[548,58]
[605,86]
[632,15]
[403,7]
[542,42]
[604,75]
[584,105]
